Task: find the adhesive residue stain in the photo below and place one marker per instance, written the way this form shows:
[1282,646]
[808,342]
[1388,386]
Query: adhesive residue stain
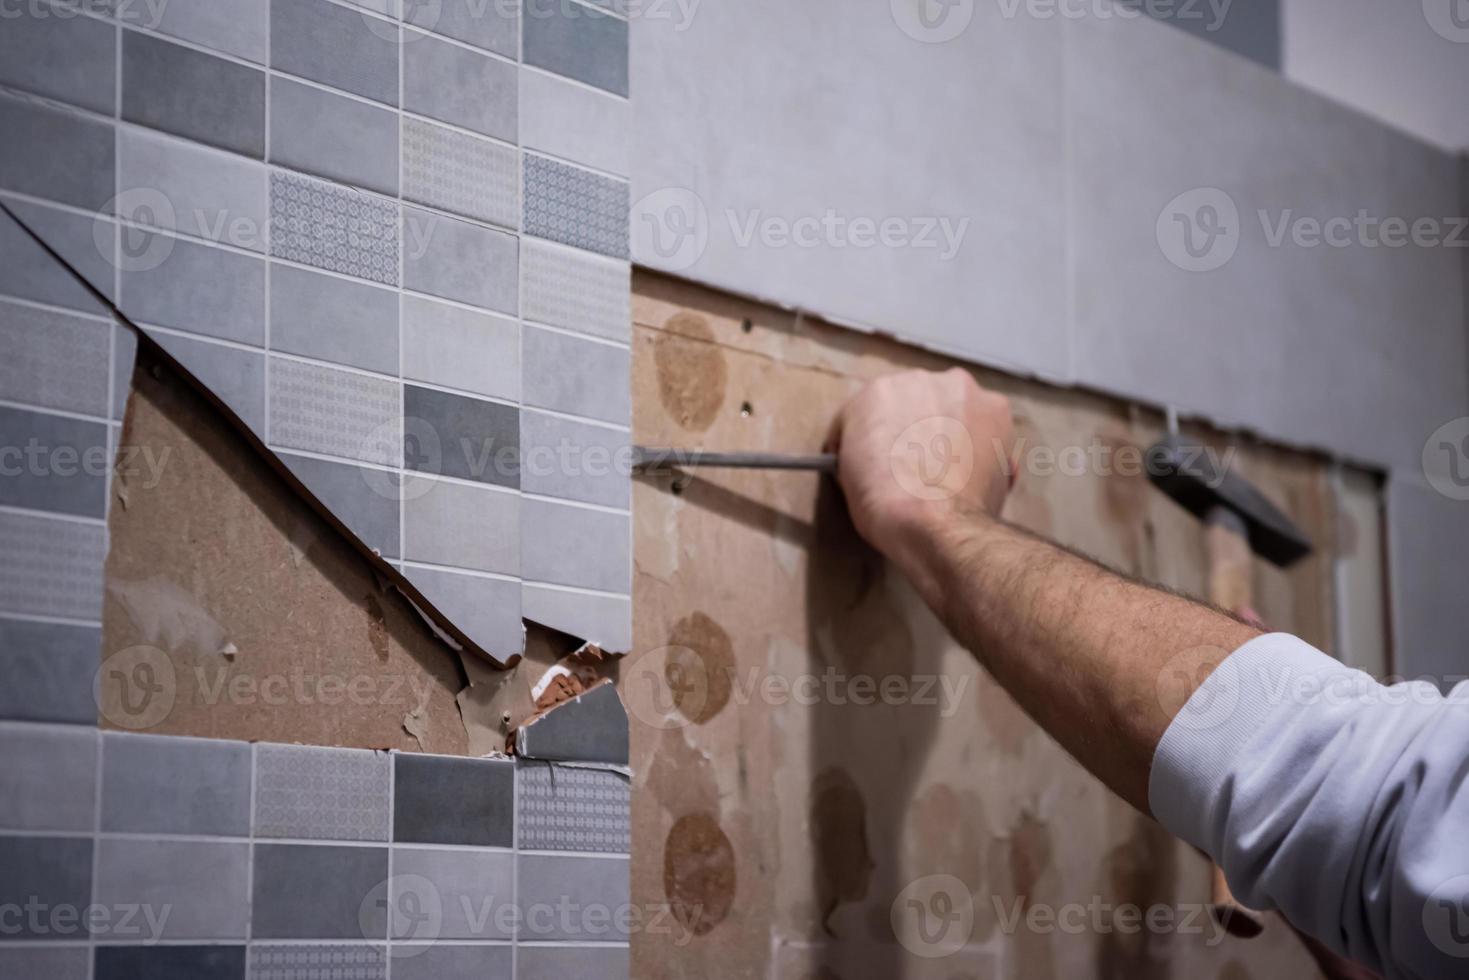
[700,667]
[699,873]
[839,838]
[692,375]
[377,628]
[1031,854]
[169,617]
[1008,726]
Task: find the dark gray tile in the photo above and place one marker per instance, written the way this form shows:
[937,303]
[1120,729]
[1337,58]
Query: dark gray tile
[574,460]
[48,777]
[574,375]
[322,133]
[365,500]
[595,888]
[569,545]
[29,272]
[442,959]
[45,962]
[332,227]
[443,800]
[559,962]
[56,154]
[338,413]
[51,567]
[603,620]
[72,59]
[474,889]
[576,207]
[578,42]
[492,26]
[55,360]
[453,171]
[54,872]
[309,792]
[164,784]
[235,27]
[53,463]
[47,670]
[318,962]
[333,319]
[487,610]
[170,963]
[184,91]
[454,435]
[203,884]
[458,348]
[461,261]
[198,288]
[562,808]
[319,891]
[236,376]
[328,43]
[205,192]
[590,728]
[463,526]
[459,86]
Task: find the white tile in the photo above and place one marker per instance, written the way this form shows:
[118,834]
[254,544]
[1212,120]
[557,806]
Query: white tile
[574,122]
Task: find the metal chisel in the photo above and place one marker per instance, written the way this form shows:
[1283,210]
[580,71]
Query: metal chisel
[648,458]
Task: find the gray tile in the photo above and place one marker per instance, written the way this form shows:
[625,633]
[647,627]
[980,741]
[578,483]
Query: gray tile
[48,670]
[30,273]
[124,359]
[492,26]
[334,228]
[576,290]
[56,154]
[562,808]
[326,962]
[459,86]
[183,91]
[48,871]
[486,610]
[48,777]
[453,171]
[324,410]
[589,728]
[1252,30]
[170,963]
[209,193]
[575,123]
[567,545]
[576,376]
[199,288]
[458,348]
[603,620]
[445,800]
[1428,541]
[443,959]
[463,526]
[319,891]
[333,319]
[461,261]
[365,500]
[51,567]
[559,962]
[330,44]
[235,27]
[204,884]
[236,376]
[577,42]
[72,59]
[574,460]
[53,463]
[54,360]
[323,133]
[322,793]
[573,206]
[163,784]
[454,435]
[474,892]
[596,889]
[48,962]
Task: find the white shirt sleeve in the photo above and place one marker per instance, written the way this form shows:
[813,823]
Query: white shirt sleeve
[1339,801]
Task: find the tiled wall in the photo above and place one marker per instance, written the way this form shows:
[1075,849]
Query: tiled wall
[207,860]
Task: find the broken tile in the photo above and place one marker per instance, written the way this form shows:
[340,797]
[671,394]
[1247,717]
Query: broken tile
[71,59]
[578,42]
[576,207]
[55,360]
[322,793]
[338,413]
[575,375]
[48,670]
[573,460]
[603,620]
[562,808]
[330,44]
[558,962]
[203,289]
[51,567]
[589,728]
[319,891]
[333,319]
[236,376]
[334,228]
[443,800]
[459,86]
[56,154]
[204,884]
[455,435]
[444,959]
[48,777]
[365,500]
[211,194]
[180,90]
[59,464]
[576,290]
[596,889]
[28,272]
[453,171]
[165,784]
[475,891]
[124,359]
[569,545]
[54,872]
[170,963]
[487,610]
[464,526]
[453,347]
[492,26]
[330,135]
[310,962]
[457,260]
[234,27]
[574,122]
[48,962]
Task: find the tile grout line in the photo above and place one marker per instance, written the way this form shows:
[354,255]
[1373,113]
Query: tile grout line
[96,849]
[267,411]
[250,856]
[402,449]
[388,895]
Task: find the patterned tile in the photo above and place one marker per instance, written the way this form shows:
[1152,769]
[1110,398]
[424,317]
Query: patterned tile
[333,228]
[576,290]
[318,962]
[53,360]
[454,171]
[51,567]
[576,207]
[321,793]
[339,413]
[563,808]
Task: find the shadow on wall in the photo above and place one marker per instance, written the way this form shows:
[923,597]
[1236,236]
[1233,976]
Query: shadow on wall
[1250,28]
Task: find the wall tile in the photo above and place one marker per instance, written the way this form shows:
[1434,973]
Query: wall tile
[324,410]
[486,610]
[67,474]
[569,809]
[443,959]
[463,526]
[578,42]
[164,784]
[460,87]
[557,962]
[211,194]
[458,348]
[304,962]
[474,889]
[573,206]
[183,91]
[569,288]
[56,154]
[51,871]
[365,500]
[48,777]
[574,460]
[603,620]
[321,793]
[444,800]
[584,882]
[205,882]
[575,123]
[198,288]
[493,26]
[235,27]
[236,376]
[51,567]
[1428,540]
[566,545]
[170,963]
[30,273]
[460,261]
[328,43]
[320,132]
[50,962]
[590,728]
[333,228]
[48,670]
[576,376]
[318,891]
[333,319]
[72,59]
[454,435]
[453,171]
[124,359]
